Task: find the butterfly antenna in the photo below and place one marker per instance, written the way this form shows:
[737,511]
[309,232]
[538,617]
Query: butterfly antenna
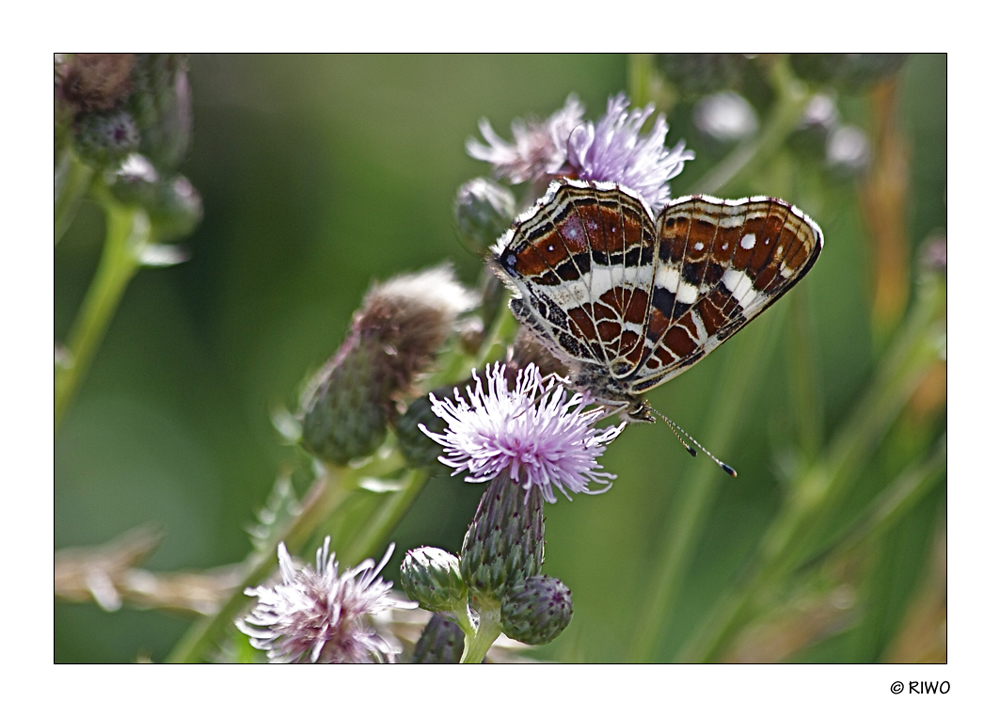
[674,428]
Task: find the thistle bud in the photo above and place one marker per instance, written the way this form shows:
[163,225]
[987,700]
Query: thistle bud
[695,75]
[393,337]
[105,138]
[442,641]
[819,120]
[934,254]
[430,576]
[848,151]
[851,73]
[161,104]
[419,450]
[536,610]
[177,211]
[174,205]
[506,542]
[483,211]
[93,82]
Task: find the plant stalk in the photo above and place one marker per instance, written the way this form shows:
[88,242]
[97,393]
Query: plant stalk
[128,229]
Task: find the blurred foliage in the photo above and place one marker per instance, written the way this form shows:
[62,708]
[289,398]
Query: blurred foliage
[319,174]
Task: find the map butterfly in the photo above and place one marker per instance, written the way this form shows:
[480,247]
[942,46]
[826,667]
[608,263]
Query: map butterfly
[628,300]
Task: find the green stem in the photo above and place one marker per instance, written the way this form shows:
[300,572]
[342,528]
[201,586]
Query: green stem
[326,495]
[127,231]
[896,500]
[795,532]
[690,510]
[486,633]
[803,376]
[463,618]
[791,101]
[640,72]
[386,518]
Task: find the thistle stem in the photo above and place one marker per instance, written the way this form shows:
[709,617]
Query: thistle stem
[688,518]
[386,517]
[792,536]
[792,100]
[326,495]
[128,229]
[486,633]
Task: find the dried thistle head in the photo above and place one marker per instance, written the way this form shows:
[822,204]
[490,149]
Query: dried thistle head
[95,81]
[394,337]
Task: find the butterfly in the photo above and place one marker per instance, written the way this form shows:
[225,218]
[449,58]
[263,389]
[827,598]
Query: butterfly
[629,300]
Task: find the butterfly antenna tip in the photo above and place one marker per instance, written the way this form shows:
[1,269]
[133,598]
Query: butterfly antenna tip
[674,428]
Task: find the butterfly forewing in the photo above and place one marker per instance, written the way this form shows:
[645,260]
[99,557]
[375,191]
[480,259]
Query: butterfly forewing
[722,263]
[631,301]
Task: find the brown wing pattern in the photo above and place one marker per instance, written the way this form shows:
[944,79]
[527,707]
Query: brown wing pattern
[630,301]
[570,259]
[721,263]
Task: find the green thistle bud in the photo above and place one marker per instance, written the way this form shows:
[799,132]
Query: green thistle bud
[419,450]
[430,576]
[393,337]
[104,139]
[92,82]
[174,205]
[442,641]
[536,610]
[850,73]
[177,211]
[506,542]
[934,254]
[695,75]
[819,120]
[848,152]
[483,211]
[345,412]
[161,104]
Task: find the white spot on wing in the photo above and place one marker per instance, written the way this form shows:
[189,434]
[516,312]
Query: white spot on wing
[741,287]
[670,279]
[748,241]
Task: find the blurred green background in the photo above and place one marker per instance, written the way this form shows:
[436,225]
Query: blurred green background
[320,174]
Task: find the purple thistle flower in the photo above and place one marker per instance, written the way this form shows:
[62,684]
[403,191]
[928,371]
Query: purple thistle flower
[322,616]
[537,433]
[613,151]
[538,149]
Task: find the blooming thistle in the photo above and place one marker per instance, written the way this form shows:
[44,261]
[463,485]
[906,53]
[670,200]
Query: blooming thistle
[322,615]
[613,150]
[538,150]
[536,433]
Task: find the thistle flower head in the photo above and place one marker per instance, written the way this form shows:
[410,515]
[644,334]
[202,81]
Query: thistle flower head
[538,149]
[322,615]
[536,432]
[613,151]
[610,151]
